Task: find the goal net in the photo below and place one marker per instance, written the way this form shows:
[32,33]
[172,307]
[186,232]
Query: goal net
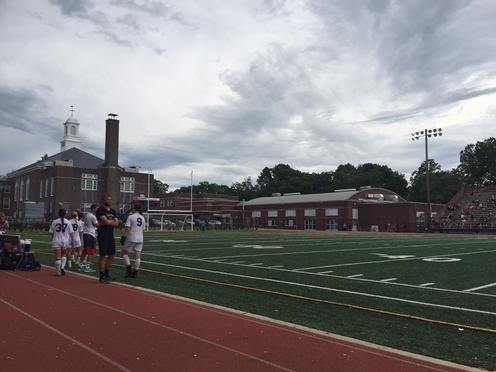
[168,220]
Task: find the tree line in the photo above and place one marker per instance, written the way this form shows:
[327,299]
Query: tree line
[477,168]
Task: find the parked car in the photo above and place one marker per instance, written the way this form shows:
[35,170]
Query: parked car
[164,223]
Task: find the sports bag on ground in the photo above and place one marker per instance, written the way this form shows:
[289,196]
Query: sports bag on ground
[28,263]
[9,259]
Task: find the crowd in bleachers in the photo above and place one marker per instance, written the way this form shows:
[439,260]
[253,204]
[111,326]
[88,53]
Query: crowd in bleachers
[475,209]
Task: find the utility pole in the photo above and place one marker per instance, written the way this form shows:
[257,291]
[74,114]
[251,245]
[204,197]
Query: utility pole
[427,133]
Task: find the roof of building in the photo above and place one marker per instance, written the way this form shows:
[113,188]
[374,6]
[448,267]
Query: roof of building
[80,159]
[292,198]
[307,198]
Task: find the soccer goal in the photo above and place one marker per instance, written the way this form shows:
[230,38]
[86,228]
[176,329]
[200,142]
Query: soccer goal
[169,220]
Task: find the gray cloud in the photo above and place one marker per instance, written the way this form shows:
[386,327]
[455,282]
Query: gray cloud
[130,20]
[436,102]
[151,7]
[74,7]
[313,84]
[25,111]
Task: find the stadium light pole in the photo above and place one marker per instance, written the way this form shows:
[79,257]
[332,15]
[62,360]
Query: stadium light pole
[427,133]
[148,198]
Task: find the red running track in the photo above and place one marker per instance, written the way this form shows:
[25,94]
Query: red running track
[73,323]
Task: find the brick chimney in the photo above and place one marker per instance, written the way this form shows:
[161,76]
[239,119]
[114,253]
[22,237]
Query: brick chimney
[112,141]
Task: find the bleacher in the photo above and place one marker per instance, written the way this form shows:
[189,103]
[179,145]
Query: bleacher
[473,210]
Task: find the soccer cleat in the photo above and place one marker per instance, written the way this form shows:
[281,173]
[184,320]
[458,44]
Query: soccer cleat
[129,272]
[134,274]
[108,279]
[62,272]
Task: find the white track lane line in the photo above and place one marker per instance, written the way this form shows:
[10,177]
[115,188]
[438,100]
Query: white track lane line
[67,337]
[172,329]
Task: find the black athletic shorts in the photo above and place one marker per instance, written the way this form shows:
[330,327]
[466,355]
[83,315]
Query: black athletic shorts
[89,241]
[106,245]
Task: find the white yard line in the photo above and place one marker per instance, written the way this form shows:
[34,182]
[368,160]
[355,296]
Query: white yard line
[339,250]
[389,280]
[393,260]
[481,287]
[329,289]
[275,268]
[355,276]
[426,284]
[326,272]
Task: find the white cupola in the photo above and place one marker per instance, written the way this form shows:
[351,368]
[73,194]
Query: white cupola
[71,133]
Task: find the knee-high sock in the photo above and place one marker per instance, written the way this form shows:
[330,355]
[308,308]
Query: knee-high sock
[57,265]
[63,260]
[126,259]
[137,263]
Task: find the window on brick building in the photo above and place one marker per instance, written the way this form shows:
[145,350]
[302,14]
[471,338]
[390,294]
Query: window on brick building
[127,184]
[89,182]
[309,224]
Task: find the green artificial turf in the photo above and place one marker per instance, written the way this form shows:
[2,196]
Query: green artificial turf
[374,257]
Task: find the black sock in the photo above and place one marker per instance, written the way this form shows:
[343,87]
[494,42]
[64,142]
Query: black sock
[101,274]
[107,273]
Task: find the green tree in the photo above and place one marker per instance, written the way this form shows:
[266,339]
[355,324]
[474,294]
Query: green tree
[281,178]
[348,176]
[244,190]
[159,187]
[478,163]
[206,187]
[443,184]
[344,177]
[376,175]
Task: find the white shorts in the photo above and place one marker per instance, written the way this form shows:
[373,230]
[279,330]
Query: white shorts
[76,242]
[60,245]
[132,246]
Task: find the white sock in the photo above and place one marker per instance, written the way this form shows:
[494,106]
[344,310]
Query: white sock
[63,260]
[57,265]
[126,259]
[137,263]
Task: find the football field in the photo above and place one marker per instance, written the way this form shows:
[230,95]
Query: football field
[429,294]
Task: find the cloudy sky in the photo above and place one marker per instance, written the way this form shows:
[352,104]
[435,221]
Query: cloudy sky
[226,88]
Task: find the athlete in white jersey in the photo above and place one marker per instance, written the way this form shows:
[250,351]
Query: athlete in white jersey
[132,240]
[89,239]
[60,230]
[75,239]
